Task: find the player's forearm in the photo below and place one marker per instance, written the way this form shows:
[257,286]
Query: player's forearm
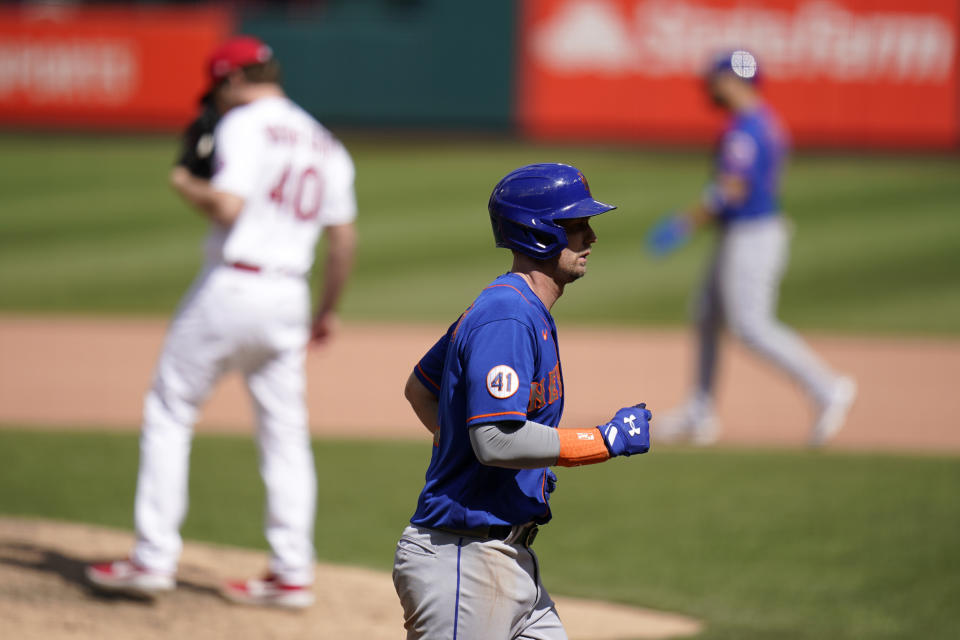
[729,189]
[699,215]
[341,249]
[515,446]
[423,402]
[221,207]
[532,445]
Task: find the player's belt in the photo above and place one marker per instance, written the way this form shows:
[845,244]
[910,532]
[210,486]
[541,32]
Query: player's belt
[522,534]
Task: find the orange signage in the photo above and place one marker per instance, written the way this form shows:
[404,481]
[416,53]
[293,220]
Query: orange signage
[840,72]
[112,68]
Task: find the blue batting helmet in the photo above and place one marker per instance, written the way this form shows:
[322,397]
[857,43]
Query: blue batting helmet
[527,202]
[741,63]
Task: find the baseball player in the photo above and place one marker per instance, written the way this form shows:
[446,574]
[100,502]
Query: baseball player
[491,391]
[743,278]
[279,179]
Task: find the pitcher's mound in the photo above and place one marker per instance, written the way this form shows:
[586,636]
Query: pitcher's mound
[43,594]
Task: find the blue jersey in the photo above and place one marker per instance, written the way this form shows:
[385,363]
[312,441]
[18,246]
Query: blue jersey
[753,147]
[498,362]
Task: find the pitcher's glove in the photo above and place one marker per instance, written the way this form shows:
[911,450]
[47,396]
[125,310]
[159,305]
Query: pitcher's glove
[196,153]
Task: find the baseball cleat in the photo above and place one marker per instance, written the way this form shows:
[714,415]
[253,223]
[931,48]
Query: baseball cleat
[834,413]
[691,423]
[268,592]
[126,577]
[705,431]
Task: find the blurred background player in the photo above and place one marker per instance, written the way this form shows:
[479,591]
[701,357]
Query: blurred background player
[278,180]
[491,391]
[744,274]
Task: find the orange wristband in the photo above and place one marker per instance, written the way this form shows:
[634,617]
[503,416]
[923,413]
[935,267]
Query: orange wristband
[581,446]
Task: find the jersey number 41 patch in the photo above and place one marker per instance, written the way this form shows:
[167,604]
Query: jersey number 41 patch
[502,381]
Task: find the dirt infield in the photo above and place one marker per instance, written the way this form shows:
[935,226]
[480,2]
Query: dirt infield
[43,595]
[92,373]
[70,372]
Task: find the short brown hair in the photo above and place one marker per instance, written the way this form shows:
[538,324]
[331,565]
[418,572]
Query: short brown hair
[263,72]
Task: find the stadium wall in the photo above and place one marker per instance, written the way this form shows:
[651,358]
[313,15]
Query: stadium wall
[128,68]
[418,63]
[851,73]
[861,73]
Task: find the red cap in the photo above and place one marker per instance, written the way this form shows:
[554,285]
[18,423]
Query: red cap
[236,53]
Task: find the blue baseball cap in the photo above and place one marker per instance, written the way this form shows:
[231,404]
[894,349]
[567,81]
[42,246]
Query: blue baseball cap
[740,62]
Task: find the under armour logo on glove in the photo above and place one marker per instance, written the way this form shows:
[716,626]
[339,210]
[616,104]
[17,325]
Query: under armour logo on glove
[634,430]
[633,424]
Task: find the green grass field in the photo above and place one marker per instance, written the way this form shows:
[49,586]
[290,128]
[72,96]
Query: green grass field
[758,544]
[89,225]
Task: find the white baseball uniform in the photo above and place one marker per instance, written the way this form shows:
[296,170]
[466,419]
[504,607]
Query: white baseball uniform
[249,310]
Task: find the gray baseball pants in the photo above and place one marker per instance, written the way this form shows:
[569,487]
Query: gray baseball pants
[740,290]
[454,587]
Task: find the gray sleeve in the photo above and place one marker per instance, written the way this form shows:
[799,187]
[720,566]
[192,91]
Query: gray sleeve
[530,445]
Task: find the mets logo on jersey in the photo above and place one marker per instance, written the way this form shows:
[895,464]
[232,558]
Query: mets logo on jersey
[546,390]
[502,381]
[586,185]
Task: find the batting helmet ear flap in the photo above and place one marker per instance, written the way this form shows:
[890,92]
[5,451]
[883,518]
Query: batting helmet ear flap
[542,243]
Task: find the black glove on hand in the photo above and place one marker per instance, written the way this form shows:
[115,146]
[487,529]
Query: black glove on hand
[197,151]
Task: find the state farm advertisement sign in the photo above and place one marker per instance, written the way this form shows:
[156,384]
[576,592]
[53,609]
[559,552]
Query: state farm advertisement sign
[861,72]
[106,67]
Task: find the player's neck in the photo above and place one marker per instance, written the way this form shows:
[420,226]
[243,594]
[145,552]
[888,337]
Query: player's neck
[254,92]
[745,102]
[544,286]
